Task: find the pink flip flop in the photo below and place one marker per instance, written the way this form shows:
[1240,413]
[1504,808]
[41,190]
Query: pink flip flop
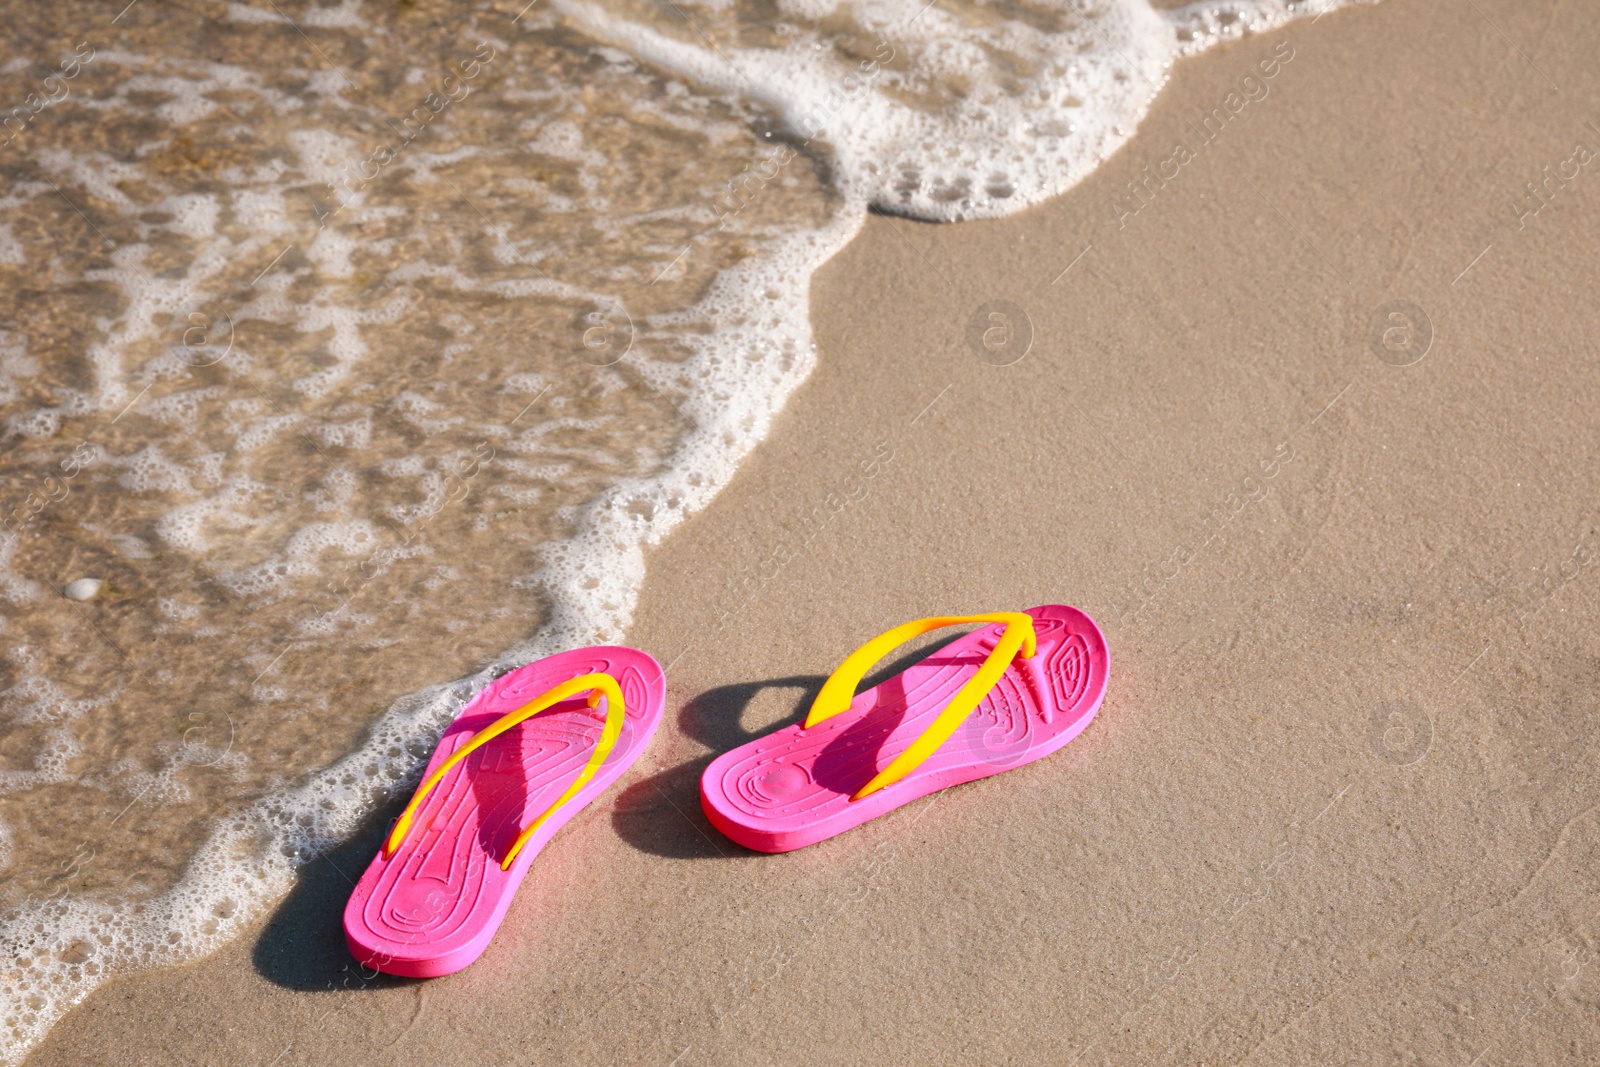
[526,755]
[997,698]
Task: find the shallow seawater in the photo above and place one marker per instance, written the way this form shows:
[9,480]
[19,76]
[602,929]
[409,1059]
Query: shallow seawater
[357,349]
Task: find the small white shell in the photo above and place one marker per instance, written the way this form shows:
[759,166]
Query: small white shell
[82,589]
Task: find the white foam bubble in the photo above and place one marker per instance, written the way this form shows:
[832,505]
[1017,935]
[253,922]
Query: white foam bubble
[347,13]
[193,214]
[149,470]
[11,253]
[14,587]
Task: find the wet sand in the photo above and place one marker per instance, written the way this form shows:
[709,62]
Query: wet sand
[1311,433]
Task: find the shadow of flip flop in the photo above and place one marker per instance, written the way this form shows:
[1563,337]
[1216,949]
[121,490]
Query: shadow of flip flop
[661,814]
[303,946]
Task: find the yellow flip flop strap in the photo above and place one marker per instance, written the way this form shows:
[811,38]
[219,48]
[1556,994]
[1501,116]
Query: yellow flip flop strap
[602,685]
[840,688]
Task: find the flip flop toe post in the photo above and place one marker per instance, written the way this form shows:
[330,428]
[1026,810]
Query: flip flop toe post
[1001,696]
[526,755]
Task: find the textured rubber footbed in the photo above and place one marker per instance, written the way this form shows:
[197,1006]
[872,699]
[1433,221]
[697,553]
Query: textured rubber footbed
[433,906]
[793,786]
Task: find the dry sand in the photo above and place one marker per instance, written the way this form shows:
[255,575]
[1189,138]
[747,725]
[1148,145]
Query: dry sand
[1338,806]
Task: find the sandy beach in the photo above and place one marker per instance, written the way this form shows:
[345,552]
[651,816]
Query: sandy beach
[1296,396]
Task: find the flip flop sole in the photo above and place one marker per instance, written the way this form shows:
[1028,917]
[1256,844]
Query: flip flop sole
[432,907]
[792,787]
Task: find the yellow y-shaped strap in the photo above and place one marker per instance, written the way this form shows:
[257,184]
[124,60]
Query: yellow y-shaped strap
[840,687]
[603,685]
